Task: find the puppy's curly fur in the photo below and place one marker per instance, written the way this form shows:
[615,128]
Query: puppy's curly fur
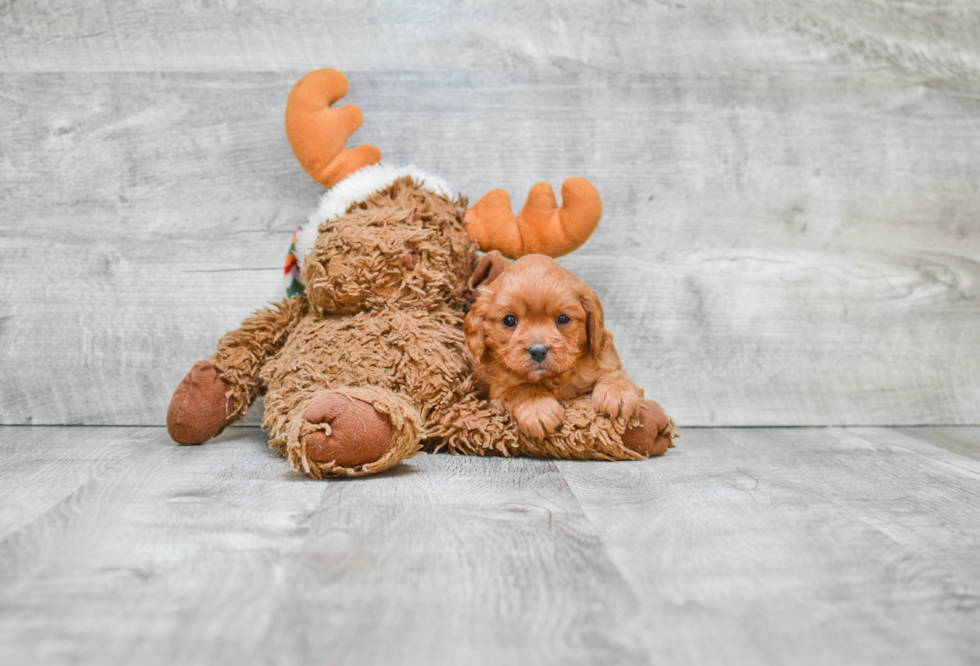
[536,336]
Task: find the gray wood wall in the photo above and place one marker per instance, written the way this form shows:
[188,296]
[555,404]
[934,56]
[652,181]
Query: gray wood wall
[792,219]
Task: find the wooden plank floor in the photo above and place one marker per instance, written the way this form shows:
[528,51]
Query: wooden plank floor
[755,546]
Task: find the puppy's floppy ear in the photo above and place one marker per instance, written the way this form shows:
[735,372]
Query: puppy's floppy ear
[595,325]
[488,269]
[473,325]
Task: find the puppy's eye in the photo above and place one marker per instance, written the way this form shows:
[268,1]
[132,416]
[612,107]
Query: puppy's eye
[510,321]
[562,319]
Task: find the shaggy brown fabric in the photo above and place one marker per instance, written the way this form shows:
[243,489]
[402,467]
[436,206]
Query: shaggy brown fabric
[358,265]
[242,352]
[377,328]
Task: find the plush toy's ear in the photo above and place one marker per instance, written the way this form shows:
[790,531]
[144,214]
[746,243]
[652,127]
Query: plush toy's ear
[541,227]
[318,132]
[488,269]
[595,325]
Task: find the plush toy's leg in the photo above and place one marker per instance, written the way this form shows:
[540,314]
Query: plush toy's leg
[345,431]
[218,392]
[654,434]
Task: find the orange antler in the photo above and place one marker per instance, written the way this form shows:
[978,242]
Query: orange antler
[318,133]
[541,227]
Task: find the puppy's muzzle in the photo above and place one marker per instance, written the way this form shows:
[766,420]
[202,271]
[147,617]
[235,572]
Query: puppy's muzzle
[538,353]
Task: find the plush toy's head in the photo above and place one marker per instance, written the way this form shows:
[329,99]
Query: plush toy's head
[403,244]
[318,133]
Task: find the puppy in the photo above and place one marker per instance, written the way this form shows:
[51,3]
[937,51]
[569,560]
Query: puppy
[536,336]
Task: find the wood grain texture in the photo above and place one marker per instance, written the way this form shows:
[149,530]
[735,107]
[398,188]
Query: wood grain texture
[41,467]
[962,441]
[136,560]
[789,234]
[755,546]
[804,546]
[932,36]
[221,554]
[460,561]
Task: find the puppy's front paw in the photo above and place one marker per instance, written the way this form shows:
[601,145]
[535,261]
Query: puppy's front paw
[617,402]
[539,416]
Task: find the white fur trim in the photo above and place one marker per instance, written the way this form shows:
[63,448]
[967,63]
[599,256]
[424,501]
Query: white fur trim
[355,187]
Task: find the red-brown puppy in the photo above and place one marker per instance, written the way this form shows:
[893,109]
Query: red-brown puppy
[536,336]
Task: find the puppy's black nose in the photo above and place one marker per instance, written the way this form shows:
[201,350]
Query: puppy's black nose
[537,352]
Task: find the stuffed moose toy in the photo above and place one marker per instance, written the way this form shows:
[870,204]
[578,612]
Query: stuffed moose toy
[364,365]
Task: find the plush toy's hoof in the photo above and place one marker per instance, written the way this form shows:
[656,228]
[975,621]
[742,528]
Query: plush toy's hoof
[654,434]
[359,434]
[198,410]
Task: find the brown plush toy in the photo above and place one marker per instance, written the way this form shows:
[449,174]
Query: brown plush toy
[364,365]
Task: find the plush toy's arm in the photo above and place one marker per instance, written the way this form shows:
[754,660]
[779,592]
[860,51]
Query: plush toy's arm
[242,353]
[217,392]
